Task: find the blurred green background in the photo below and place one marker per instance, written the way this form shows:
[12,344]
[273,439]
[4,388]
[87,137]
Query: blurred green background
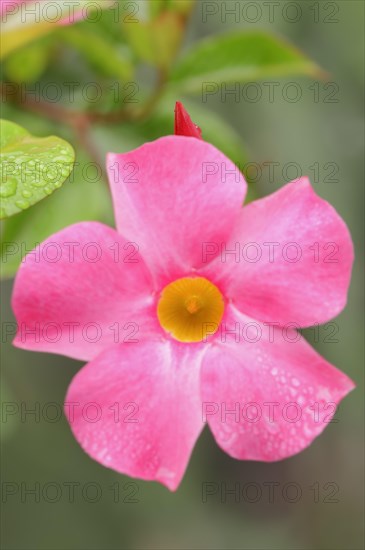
[304,132]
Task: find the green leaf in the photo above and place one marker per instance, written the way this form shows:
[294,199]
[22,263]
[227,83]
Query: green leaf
[19,35]
[240,57]
[157,6]
[80,199]
[27,64]
[157,41]
[183,7]
[31,168]
[101,55]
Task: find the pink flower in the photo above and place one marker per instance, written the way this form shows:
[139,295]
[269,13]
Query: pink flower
[187,313]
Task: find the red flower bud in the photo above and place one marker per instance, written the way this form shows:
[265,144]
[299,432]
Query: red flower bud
[184,126]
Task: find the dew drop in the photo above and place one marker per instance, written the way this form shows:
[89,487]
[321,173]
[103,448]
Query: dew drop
[8,188]
[22,204]
[38,183]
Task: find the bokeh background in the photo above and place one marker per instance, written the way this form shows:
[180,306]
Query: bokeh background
[303,132]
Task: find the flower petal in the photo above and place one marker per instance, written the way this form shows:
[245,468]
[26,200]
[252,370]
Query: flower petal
[267,399]
[170,196]
[146,409]
[291,261]
[82,290]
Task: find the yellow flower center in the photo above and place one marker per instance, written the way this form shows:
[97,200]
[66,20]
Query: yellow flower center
[190,309]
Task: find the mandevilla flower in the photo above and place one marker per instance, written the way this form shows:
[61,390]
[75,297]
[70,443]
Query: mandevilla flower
[187,313]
